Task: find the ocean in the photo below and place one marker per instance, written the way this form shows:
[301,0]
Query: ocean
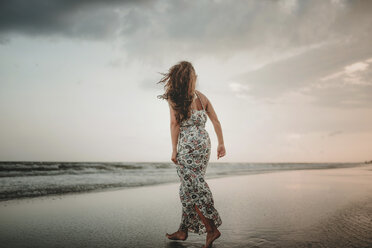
[31,179]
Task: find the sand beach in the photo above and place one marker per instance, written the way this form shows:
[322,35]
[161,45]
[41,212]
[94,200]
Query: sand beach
[299,208]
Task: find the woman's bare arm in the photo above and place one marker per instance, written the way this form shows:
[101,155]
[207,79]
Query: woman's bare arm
[217,126]
[175,130]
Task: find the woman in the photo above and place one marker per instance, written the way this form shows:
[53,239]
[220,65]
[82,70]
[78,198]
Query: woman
[191,151]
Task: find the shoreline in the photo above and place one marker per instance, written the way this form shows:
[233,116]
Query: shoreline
[236,174]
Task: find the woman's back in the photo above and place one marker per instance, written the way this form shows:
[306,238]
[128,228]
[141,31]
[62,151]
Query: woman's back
[198,116]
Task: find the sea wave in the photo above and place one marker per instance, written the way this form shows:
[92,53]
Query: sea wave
[30,179]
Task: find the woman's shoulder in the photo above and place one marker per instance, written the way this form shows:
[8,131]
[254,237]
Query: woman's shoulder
[201,93]
[203,97]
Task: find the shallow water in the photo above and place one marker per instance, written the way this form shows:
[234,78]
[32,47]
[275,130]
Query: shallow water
[32,179]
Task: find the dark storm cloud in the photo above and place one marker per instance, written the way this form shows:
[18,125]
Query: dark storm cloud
[153,31]
[88,19]
[219,28]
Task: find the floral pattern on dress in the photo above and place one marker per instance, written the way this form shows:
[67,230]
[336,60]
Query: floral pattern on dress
[193,153]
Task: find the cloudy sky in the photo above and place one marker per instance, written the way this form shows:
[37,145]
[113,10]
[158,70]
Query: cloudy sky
[291,81]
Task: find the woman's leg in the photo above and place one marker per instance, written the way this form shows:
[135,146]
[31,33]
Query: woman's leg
[212,231]
[209,224]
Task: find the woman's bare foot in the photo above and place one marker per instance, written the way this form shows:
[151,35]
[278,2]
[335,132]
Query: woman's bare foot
[179,235]
[211,236]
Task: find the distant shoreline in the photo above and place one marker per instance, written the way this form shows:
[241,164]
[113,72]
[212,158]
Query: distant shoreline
[73,189]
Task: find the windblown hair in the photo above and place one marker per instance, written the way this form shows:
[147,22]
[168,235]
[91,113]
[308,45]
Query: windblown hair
[179,89]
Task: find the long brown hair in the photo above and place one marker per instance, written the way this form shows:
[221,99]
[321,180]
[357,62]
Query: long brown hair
[179,88]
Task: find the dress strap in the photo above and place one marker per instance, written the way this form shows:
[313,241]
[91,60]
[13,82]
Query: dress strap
[200,100]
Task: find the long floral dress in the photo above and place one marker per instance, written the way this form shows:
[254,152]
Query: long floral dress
[193,153]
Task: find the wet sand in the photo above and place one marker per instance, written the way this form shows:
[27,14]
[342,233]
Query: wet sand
[303,208]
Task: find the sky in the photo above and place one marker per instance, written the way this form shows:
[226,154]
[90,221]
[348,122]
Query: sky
[290,81]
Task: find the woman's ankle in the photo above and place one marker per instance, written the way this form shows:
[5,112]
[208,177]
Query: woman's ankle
[214,230]
[212,227]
